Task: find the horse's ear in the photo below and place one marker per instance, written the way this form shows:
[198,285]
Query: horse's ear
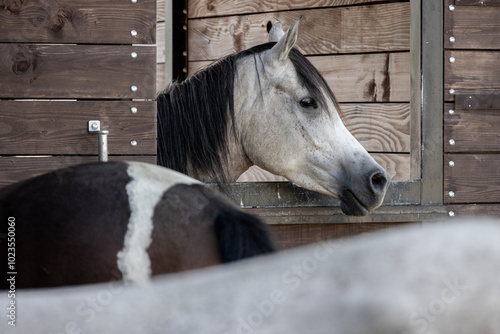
[276,32]
[280,51]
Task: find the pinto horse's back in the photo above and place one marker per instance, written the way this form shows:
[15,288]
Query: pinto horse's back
[122,220]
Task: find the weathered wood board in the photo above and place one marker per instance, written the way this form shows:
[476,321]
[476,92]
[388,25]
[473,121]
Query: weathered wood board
[290,236]
[379,127]
[471,72]
[359,78]
[78,21]
[472,179]
[472,27]
[16,169]
[471,130]
[61,127]
[202,8]
[77,71]
[323,31]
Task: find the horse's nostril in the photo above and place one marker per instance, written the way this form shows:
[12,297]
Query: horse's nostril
[378,181]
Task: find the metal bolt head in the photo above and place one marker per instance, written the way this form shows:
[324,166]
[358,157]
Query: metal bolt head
[133,89]
[452,91]
[133,33]
[452,142]
[451,8]
[133,143]
[133,110]
[133,55]
[133,1]
[94,126]
[451,194]
[452,39]
[452,60]
[451,163]
[451,112]
[451,214]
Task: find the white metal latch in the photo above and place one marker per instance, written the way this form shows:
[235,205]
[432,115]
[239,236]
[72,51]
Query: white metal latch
[95,126]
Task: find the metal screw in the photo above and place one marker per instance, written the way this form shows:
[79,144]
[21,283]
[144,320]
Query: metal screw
[451,163]
[452,60]
[452,142]
[133,33]
[133,110]
[94,126]
[133,55]
[452,91]
[133,1]
[451,214]
[133,143]
[451,8]
[451,111]
[133,89]
[452,39]
[451,194]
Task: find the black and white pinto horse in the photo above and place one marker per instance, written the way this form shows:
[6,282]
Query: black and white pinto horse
[431,279]
[120,220]
[267,106]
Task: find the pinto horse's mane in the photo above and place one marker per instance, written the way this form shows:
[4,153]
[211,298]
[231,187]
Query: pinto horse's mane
[193,115]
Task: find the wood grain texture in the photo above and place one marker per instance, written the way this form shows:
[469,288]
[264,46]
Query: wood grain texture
[379,127]
[78,21]
[472,130]
[77,71]
[382,27]
[471,72]
[468,210]
[359,78]
[290,236]
[397,165]
[478,2]
[61,127]
[473,27]
[15,169]
[473,178]
[204,8]
[368,77]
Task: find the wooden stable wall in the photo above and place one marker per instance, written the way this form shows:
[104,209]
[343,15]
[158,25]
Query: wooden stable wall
[362,49]
[63,65]
[472,107]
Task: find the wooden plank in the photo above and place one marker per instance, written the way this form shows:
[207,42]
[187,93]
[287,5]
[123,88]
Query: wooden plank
[478,101]
[328,215]
[397,165]
[200,8]
[360,78]
[15,169]
[472,27]
[290,236]
[468,210]
[383,27]
[77,71]
[285,194]
[471,130]
[368,77]
[477,2]
[78,21]
[60,127]
[471,72]
[473,178]
[379,127]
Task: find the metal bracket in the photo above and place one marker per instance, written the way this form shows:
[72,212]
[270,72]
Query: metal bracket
[95,127]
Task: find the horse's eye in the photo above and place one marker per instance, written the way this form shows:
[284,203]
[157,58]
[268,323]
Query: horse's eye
[308,102]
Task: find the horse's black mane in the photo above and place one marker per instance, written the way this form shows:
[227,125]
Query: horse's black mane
[193,115]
